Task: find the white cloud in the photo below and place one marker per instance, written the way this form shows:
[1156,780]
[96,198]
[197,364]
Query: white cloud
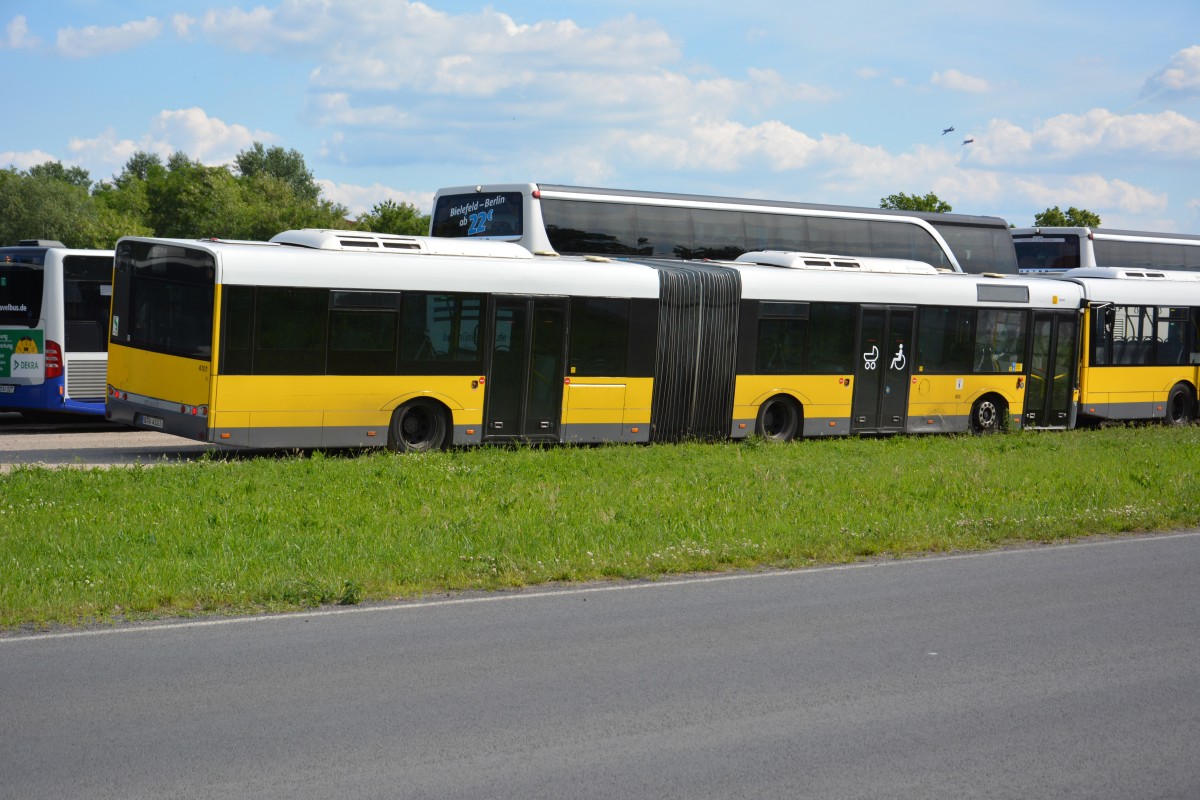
[1091,192]
[203,138]
[958,81]
[16,36]
[1099,132]
[95,41]
[24,160]
[360,199]
[1181,76]
[182,24]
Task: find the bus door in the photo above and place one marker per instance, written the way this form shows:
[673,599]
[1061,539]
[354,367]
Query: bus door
[525,373]
[1050,388]
[883,370]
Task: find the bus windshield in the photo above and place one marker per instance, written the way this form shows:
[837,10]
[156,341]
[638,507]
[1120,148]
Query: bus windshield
[20,290]
[164,299]
[493,214]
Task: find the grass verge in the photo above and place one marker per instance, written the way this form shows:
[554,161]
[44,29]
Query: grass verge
[236,536]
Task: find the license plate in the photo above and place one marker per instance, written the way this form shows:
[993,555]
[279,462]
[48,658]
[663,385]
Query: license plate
[7,388]
[152,422]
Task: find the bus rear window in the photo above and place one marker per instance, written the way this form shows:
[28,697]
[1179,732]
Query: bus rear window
[497,214]
[163,299]
[20,294]
[1047,253]
[87,290]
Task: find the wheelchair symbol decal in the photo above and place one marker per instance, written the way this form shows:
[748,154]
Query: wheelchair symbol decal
[898,361]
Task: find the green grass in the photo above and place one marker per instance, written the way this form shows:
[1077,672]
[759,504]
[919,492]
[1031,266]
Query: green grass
[236,536]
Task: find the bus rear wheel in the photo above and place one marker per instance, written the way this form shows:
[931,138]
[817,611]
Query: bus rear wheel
[779,419]
[988,415]
[417,427]
[1181,406]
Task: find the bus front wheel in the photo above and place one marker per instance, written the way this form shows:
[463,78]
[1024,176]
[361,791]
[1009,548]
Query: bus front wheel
[417,427]
[988,415]
[779,419]
[1181,406]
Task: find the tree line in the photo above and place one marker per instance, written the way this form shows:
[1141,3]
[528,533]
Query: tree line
[266,190]
[1050,218]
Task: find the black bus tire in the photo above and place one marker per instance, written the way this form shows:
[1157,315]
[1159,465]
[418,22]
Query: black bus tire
[1181,405]
[989,415]
[779,419]
[418,426]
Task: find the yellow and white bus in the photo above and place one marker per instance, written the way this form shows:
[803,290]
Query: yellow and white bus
[1141,355]
[268,345]
[575,220]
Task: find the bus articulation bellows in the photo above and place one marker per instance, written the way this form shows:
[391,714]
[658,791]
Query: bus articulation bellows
[54,311]
[278,345]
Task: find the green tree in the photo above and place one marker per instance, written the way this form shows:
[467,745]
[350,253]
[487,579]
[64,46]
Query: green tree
[1073,218]
[904,202]
[46,202]
[287,165]
[392,217]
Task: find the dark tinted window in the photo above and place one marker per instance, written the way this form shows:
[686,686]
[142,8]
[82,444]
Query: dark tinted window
[1129,255]
[775,232]
[289,331]
[945,340]
[664,232]
[440,329]
[87,295]
[492,214]
[832,333]
[782,337]
[362,342]
[599,337]
[980,249]
[237,334]
[1050,253]
[581,227]
[717,234]
[163,299]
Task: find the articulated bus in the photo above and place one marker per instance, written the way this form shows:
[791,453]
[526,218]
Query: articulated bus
[1056,250]
[54,306]
[1141,354]
[549,219]
[274,345]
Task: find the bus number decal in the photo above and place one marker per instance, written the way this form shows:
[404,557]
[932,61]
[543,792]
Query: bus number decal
[479,222]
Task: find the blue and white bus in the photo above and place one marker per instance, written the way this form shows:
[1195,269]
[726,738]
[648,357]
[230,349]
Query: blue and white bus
[54,312]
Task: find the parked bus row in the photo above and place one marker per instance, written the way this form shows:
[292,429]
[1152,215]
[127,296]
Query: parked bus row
[314,340]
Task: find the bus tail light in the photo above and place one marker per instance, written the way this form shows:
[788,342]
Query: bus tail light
[54,362]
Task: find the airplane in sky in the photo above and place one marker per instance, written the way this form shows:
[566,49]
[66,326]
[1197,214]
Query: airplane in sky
[967,141]
[947,130]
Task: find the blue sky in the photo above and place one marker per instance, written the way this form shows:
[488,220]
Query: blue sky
[1094,105]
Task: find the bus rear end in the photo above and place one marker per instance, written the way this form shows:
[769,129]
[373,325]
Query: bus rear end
[54,305]
[161,337]
[1052,251]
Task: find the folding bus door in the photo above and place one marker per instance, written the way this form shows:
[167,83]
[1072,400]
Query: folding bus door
[883,370]
[1050,388]
[525,373]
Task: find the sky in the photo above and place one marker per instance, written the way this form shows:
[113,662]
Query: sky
[1088,104]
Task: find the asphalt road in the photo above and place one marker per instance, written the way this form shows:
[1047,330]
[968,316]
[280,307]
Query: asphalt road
[1066,672]
[86,443]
